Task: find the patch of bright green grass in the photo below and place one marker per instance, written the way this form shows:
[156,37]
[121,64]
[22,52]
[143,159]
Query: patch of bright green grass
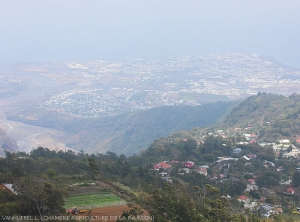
[88,201]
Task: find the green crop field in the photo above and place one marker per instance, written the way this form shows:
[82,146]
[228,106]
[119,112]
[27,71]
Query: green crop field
[89,201]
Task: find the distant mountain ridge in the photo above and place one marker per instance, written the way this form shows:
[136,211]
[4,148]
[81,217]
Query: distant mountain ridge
[128,133]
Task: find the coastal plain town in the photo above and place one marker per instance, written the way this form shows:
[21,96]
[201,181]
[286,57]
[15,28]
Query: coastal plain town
[105,88]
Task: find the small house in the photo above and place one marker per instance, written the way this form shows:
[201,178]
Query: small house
[251,156]
[280,169]
[290,190]
[251,187]
[251,181]
[189,164]
[163,174]
[243,198]
[246,158]
[202,171]
[182,171]
[237,151]
[284,141]
[162,165]
[7,188]
[262,200]
[266,209]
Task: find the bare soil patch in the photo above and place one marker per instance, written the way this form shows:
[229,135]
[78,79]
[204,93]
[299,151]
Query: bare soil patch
[110,214]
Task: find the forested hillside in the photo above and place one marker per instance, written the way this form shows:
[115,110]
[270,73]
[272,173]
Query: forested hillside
[130,132]
[133,132]
[272,116]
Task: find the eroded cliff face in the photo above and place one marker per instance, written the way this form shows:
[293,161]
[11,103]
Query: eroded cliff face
[7,143]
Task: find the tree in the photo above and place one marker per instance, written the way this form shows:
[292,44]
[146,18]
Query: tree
[296,178]
[248,176]
[209,157]
[237,188]
[51,173]
[267,154]
[54,200]
[8,204]
[190,145]
[93,167]
[271,199]
[268,178]
[39,197]
[165,201]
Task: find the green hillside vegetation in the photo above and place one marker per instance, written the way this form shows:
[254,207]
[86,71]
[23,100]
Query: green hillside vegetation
[270,117]
[273,116]
[45,181]
[182,146]
[130,132]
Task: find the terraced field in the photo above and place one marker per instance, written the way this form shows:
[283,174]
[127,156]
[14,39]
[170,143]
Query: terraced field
[95,200]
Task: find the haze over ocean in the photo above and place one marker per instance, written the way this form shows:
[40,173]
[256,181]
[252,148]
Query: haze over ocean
[58,30]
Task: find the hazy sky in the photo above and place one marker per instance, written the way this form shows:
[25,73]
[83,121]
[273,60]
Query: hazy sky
[56,30]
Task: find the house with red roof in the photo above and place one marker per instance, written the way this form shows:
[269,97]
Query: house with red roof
[161,165]
[279,209]
[266,165]
[237,129]
[7,188]
[251,181]
[221,176]
[189,164]
[251,156]
[243,198]
[262,200]
[290,190]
